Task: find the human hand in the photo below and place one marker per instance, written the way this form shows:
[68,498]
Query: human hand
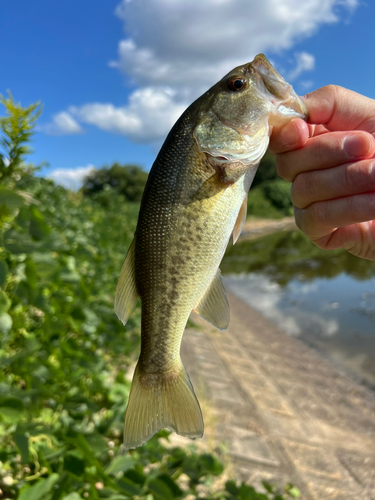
[332,168]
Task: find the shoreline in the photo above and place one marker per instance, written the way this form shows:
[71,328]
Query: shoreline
[285,414]
[256,227]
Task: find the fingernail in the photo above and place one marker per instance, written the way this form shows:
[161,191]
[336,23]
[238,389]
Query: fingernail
[289,134]
[357,145]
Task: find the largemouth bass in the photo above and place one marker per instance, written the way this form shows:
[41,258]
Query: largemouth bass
[194,199]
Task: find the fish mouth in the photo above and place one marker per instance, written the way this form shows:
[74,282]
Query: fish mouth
[272,86]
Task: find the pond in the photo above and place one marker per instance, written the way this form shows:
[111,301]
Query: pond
[326,299]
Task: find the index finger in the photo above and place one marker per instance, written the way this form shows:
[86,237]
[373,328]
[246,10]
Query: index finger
[339,109]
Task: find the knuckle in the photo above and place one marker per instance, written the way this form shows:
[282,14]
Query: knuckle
[334,90]
[303,190]
[359,175]
[349,178]
[318,214]
[299,218]
[283,167]
[320,151]
[304,221]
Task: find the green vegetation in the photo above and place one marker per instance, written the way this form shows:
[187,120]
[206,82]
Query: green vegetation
[64,356]
[127,180]
[16,129]
[269,195]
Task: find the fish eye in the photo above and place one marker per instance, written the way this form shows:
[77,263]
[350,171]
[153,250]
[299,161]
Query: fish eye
[237,83]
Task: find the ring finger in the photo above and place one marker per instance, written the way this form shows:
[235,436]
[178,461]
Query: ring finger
[336,182]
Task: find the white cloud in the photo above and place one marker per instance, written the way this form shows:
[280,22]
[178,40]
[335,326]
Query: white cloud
[71,178]
[62,124]
[192,44]
[176,49]
[304,62]
[150,114]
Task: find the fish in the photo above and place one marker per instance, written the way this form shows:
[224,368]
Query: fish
[195,198]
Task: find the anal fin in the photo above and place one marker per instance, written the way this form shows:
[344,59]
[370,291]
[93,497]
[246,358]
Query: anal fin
[126,291]
[241,218]
[214,306]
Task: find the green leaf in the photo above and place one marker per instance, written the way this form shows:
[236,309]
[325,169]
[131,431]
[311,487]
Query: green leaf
[38,490]
[231,487]
[160,489]
[11,402]
[22,443]
[247,492]
[6,323]
[11,409]
[97,443]
[5,303]
[72,496]
[211,464]
[176,490]
[3,272]
[120,464]
[74,463]
[292,490]
[18,243]
[128,486]
[38,227]
[136,476]
[31,274]
[45,264]
[10,199]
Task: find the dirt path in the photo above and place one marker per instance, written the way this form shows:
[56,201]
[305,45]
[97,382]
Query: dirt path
[256,227]
[285,414]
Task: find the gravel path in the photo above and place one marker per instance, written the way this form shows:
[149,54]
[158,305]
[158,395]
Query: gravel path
[285,414]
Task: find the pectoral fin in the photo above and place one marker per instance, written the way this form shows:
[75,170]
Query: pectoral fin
[210,188]
[126,291]
[213,306]
[240,220]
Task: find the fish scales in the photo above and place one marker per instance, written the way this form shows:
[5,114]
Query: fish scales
[179,247]
[195,197]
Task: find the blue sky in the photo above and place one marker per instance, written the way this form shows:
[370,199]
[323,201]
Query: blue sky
[113,76]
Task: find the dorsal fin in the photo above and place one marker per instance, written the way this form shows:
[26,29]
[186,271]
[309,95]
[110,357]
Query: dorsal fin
[126,291]
[241,218]
[214,306]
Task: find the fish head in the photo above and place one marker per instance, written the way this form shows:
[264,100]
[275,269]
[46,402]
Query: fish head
[243,108]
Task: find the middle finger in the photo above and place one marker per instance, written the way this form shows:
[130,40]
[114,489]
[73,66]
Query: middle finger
[325,151]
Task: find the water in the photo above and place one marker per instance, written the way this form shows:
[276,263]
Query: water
[326,299]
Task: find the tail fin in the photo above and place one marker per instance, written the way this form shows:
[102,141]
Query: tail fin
[158,402]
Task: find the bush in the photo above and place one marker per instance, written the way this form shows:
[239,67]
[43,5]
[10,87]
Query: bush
[127,180]
[278,192]
[266,170]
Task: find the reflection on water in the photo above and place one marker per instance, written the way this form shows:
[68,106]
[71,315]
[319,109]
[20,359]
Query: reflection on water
[327,299]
